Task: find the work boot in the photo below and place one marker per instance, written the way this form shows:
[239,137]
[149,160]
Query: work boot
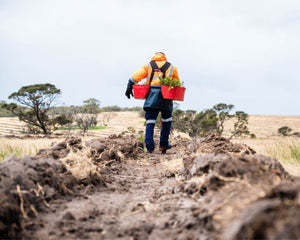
[164,149]
[150,151]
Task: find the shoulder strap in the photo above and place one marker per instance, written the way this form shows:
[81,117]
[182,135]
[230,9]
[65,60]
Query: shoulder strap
[163,69]
[154,66]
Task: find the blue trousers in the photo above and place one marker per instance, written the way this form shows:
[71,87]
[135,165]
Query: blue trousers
[166,123]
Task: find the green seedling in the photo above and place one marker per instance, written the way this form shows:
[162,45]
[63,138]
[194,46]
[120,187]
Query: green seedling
[171,82]
[143,141]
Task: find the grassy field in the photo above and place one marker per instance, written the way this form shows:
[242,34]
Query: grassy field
[21,147]
[109,123]
[284,149]
[267,126]
[269,143]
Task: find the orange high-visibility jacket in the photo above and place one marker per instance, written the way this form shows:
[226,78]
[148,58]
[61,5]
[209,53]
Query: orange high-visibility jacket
[146,70]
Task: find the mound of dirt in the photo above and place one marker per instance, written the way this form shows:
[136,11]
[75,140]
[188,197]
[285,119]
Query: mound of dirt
[115,147]
[26,187]
[225,191]
[253,168]
[29,184]
[60,150]
[267,219]
[217,144]
[245,197]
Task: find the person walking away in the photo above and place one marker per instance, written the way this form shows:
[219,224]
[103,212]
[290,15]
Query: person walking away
[155,103]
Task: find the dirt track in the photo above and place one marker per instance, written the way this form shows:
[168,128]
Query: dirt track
[111,189]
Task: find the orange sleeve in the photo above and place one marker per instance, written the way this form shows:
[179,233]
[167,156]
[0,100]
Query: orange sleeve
[175,74]
[141,73]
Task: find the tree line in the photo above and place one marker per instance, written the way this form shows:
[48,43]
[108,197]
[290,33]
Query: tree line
[211,121]
[34,105]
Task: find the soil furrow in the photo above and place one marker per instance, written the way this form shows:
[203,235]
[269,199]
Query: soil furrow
[207,188]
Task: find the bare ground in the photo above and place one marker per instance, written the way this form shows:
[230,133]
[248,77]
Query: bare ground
[207,188]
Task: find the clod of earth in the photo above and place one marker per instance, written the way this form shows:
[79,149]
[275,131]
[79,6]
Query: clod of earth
[26,187]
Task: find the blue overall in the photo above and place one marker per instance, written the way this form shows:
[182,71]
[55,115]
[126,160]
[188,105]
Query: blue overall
[154,104]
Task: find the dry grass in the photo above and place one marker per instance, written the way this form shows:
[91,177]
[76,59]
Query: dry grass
[115,123]
[21,147]
[285,149]
[267,126]
[80,164]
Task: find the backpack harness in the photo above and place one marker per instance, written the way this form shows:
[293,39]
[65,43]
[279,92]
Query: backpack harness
[162,69]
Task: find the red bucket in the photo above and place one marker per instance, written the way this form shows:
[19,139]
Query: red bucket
[140,91]
[174,93]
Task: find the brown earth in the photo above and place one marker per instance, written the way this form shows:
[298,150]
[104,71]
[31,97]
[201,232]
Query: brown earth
[111,189]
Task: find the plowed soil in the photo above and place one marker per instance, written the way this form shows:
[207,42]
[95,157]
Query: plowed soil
[206,188]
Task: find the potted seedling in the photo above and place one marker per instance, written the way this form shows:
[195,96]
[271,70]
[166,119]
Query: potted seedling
[172,88]
[140,91]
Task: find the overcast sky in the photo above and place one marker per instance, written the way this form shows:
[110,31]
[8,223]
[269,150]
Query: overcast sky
[245,53]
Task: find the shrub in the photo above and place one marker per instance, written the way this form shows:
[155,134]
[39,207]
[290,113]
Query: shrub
[210,121]
[286,131]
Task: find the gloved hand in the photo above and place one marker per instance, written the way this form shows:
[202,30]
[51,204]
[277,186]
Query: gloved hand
[129,92]
[129,89]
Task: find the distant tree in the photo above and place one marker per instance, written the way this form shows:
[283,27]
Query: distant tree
[241,124]
[297,134]
[61,120]
[91,106]
[205,123]
[195,124]
[285,131]
[38,100]
[124,109]
[111,109]
[222,111]
[4,112]
[87,116]
[179,122]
